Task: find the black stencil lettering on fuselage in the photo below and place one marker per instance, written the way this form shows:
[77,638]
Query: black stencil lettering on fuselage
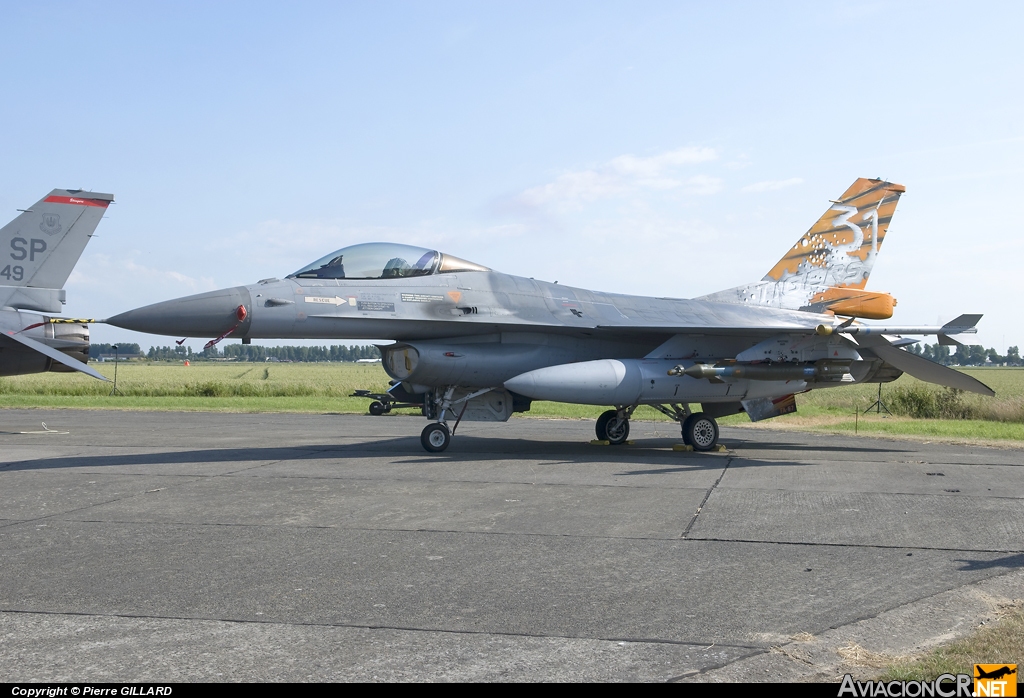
[376,306]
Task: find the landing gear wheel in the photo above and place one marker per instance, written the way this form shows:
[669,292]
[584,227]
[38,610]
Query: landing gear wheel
[435,437]
[602,425]
[612,427]
[377,408]
[686,429]
[700,431]
[387,408]
[618,431]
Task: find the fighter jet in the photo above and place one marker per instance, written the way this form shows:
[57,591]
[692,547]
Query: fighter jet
[38,250]
[472,343]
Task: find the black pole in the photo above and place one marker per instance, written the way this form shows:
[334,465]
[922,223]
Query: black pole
[114,389]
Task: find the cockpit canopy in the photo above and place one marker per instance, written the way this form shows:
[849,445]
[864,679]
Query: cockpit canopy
[383,260]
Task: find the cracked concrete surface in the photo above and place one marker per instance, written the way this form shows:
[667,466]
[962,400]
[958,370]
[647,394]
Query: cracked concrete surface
[185,546]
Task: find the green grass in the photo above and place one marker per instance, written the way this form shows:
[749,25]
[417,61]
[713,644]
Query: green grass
[241,387]
[997,643]
[325,387]
[968,418]
[1007,405]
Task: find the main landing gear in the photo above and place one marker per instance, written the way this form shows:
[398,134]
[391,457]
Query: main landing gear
[613,425]
[700,430]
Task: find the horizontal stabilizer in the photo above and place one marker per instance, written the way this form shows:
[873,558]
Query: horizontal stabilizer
[923,369]
[54,354]
[964,322]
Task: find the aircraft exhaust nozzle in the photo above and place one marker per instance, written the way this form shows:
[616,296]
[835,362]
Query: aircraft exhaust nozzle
[203,315]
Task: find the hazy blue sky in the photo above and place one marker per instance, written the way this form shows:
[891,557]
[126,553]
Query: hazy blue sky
[667,149]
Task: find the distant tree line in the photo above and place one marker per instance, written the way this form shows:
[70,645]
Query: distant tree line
[254,352]
[972,355]
[129,351]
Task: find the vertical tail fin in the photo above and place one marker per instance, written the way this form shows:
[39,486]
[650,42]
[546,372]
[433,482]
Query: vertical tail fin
[840,249]
[828,267]
[39,248]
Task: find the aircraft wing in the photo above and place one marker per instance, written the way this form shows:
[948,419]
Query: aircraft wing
[921,368]
[53,354]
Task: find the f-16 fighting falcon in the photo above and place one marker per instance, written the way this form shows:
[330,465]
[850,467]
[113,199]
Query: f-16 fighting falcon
[38,250]
[472,343]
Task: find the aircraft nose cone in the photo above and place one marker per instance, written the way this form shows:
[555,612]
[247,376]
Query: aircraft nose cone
[202,315]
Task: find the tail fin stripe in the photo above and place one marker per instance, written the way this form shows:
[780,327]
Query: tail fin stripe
[101,203]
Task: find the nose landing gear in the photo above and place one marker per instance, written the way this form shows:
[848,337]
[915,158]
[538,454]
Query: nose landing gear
[436,436]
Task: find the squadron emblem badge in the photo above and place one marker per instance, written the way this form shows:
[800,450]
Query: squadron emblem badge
[50,224]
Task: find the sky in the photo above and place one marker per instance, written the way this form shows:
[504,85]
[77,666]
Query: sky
[664,149]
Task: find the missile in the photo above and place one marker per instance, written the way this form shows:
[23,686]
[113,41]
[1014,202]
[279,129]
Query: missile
[821,370]
[964,324]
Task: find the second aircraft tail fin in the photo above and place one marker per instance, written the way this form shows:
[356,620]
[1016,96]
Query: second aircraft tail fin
[45,241]
[39,248]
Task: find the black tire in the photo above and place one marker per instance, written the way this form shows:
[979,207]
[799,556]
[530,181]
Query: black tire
[435,437]
[609,429]
[377,408]
[601,428]
[387,407]
[701,432]
[686,427]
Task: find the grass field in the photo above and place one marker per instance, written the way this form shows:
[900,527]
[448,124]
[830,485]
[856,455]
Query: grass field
[1002,641]
[325,387]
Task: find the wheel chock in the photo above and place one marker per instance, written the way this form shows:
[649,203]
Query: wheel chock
[719,448]
[606,442]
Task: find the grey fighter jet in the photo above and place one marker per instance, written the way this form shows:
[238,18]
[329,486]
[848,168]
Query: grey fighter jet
[475,344]
[38,250]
